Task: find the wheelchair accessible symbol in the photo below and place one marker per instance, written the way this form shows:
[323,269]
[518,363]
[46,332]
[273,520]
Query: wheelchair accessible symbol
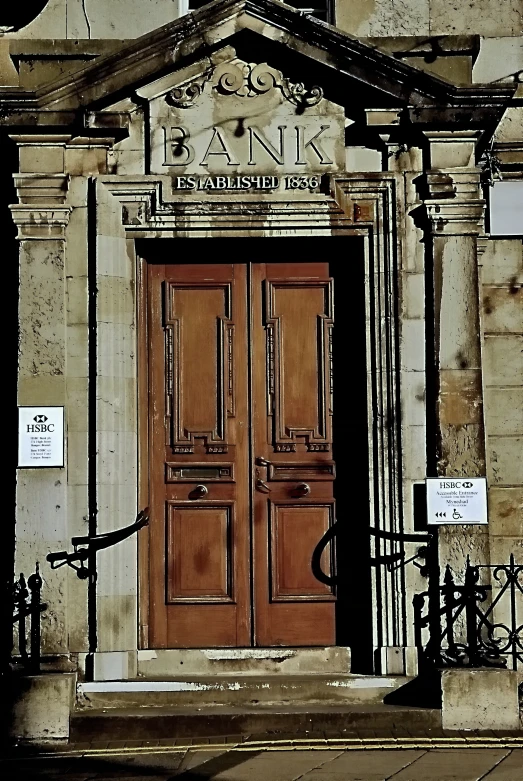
[456,516]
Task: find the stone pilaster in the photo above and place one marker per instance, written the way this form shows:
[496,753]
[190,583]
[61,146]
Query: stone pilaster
[41,218]
[454,208]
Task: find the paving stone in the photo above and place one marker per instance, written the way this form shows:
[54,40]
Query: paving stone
[268,766]
[509,769]
[447,765]
[364,766]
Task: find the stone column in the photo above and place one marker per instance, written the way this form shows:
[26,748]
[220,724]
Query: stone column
[41,219]
[454,207]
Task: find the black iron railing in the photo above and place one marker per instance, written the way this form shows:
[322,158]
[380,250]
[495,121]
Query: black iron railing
[27,604]
[473,623]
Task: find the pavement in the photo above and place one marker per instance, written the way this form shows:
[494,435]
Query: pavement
[260,758]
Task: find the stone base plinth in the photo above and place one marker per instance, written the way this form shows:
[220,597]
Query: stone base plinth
[480,699]
[42,706]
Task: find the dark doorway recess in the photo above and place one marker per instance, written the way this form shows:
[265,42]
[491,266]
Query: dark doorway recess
[343,259]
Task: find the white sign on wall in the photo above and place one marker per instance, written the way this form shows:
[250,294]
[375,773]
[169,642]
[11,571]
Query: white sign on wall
[40,436]
[456,500]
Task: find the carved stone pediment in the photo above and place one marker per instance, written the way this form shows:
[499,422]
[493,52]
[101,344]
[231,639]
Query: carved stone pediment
[239,118]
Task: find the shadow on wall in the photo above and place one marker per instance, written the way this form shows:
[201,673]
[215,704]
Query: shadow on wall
[14,17]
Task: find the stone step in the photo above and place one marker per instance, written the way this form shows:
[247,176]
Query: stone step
[185,723]
[168,663]
[236,691]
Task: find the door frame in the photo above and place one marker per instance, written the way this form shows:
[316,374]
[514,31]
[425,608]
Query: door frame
[366,205]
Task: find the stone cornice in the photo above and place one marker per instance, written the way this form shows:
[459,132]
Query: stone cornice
[347,64]
[453,202]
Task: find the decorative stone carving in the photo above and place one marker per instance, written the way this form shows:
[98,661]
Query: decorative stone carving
[245,80]
[186,95]
[241,118]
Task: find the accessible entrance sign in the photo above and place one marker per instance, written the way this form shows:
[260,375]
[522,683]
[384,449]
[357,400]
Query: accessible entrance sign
[456,500]
[40,436]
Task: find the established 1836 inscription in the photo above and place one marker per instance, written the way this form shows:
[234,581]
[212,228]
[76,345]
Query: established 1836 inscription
[240,126]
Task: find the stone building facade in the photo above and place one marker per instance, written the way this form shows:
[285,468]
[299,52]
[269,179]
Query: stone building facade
[364,149]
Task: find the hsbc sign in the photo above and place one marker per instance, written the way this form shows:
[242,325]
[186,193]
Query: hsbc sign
[40,436]
[456,500]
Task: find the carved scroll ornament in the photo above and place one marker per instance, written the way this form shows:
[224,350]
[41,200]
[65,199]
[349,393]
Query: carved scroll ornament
[245,80]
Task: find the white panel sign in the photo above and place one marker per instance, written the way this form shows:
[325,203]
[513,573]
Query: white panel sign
[506,209]
[456,500]
[40,436]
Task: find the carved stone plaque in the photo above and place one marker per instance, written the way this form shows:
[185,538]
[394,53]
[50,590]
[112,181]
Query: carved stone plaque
[240,120]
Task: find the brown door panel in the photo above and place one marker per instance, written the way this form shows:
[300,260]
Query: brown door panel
[199,530]
[292,318]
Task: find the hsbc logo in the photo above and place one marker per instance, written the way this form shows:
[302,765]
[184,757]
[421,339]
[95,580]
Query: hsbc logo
[455,484]
[40,425]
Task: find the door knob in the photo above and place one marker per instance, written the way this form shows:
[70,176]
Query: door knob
[198,492]
[302,489]
[262,486]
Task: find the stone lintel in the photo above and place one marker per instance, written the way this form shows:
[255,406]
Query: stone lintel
[40,222]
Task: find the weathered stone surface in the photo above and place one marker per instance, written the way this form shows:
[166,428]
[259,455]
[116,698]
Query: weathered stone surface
[480,699]
[503,359]
[164,663]
[498,58]
[502,18]
[501,548]
[43,706]
[384,17]
[413,345]
[502,262]
[101,18]
[8,73]
[506,511]
[504,411]
[505,465]
[503,308]
[42,339]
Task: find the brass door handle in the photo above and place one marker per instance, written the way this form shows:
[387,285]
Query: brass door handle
[262,486]
[302,489]
[198,492]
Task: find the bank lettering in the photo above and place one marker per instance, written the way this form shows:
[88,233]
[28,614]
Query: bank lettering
[223,146]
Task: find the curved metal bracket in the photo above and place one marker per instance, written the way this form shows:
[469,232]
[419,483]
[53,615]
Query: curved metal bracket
[94,544]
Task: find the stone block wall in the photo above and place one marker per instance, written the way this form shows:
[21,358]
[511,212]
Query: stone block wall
[99,19]
[502,325]
[489,18]
[103,19]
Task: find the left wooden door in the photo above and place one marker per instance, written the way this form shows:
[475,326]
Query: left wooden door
[199,482]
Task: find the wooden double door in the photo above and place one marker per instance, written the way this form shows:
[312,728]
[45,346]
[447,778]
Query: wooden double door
[240,454]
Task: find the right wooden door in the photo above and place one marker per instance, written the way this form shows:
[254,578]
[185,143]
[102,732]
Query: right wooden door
[291,365]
